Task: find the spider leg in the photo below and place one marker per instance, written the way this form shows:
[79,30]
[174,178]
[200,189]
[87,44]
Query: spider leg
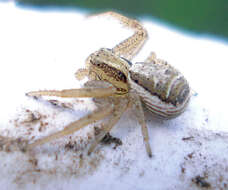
[75,126]
[150,58]
[129,47]
[119,109]
[81,73]
[153,58]
[95,91]
[136,102]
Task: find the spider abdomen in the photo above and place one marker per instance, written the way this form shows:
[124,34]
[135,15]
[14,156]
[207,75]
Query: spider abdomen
[162,88]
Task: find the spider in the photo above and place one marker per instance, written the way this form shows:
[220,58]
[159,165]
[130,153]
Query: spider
[118,85]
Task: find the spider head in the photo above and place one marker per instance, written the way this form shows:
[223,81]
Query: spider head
[105,65]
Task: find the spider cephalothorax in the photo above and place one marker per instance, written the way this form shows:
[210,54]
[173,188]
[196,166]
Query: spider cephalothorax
[118,85]
[106,66]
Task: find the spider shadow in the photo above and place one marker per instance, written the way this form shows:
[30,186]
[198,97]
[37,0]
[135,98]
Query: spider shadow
[61,105]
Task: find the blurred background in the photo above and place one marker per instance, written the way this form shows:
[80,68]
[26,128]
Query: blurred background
[204,17]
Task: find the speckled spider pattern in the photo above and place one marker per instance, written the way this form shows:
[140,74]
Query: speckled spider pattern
[117,84]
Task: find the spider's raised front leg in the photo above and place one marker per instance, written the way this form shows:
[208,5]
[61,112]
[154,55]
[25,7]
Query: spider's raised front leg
[118,110]
[138,109]
[129,47]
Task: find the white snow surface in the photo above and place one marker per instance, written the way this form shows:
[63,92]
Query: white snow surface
[42,49]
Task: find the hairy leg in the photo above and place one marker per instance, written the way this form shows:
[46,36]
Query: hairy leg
[136,103]
[81,73]
[97,89]
[75,126]
[129,47]
[152,57]
[119,109]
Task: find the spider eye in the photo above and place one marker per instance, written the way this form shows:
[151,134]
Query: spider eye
[122,76]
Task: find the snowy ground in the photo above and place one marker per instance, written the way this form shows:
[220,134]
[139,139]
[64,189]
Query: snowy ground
[43,49]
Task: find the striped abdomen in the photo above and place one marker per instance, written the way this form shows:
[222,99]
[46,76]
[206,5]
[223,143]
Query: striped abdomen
[162,88]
